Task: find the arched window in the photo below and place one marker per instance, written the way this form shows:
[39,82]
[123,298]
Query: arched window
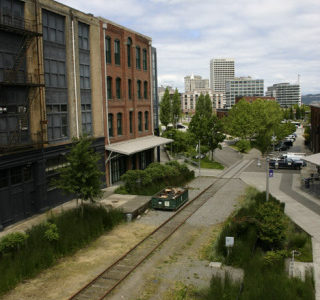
[140,121]
[146,120]
[129,43]
[145,90]
[110,124]
[139,89]
[109,87]
[118,88]
[144,59]
[117,52]
[108,50]
[119,123]
[138,58]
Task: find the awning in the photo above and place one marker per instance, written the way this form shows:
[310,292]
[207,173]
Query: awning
[314,159]
[133,146]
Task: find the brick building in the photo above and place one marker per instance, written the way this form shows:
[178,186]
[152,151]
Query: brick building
[315,127]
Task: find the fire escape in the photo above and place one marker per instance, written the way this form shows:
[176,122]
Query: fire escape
[19,75]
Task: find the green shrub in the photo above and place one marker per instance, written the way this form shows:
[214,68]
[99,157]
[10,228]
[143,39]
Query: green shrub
[243,145]
[12,242]
[51,234]
[274,257]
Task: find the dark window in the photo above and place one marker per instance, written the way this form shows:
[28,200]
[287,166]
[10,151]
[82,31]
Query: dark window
[53,27]
[4,178]
[119,123]
[83,33]
[140,121]
[129,43]
[117,52]
[109,87]
[144,59]
[16,175]
[27,173]
[146,120]
[129,88]
[145,90]
[108,50]
[138,58]
[130,120]
[118,87]
[57,121]
[110,124]
[139,89]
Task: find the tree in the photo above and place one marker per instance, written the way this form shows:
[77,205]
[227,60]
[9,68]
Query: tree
[165,109]
[298,113]
[214,134]
[291,116]
[176,108]
[240,120]
[303,111]
[81,177]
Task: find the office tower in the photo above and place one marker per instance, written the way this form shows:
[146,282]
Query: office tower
[195,82]
[242,86]
[221,69]
[286,94]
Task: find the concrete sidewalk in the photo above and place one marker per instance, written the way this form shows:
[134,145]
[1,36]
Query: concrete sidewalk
[295,208]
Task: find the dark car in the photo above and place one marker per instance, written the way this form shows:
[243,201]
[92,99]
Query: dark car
[281,147]
[285,163]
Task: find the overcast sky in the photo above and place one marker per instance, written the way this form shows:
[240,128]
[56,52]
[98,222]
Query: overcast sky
[274,40]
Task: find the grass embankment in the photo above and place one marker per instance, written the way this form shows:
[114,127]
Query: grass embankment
[206,163]
[264,238]
[154,178]
[23,256]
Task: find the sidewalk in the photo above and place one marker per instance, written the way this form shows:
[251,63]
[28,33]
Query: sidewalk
[295,208]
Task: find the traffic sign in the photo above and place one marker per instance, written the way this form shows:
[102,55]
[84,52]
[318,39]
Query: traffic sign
[270,173]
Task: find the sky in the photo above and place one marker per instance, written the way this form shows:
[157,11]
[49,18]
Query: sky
[274,40]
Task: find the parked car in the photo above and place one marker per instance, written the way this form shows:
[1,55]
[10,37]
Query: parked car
[285,163]
[295,157]
[281,146]
[288,142]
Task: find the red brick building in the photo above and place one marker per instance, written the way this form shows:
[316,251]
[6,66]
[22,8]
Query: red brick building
[315,127]
[128,113]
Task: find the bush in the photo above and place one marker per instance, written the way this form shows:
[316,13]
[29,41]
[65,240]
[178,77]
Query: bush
[243,145]
[61,235]
[12,242]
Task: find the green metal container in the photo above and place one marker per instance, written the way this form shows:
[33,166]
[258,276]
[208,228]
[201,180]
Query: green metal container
[170,198]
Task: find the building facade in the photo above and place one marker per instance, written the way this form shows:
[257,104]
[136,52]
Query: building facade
[50,72]
[189,100]
[128,96]
[286,94]
[315,127]
[242,86]
[221,69]
[195,83]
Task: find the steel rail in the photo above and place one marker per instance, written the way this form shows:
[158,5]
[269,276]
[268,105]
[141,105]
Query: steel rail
[92,287]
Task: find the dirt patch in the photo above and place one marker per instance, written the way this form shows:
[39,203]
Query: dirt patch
[71,273]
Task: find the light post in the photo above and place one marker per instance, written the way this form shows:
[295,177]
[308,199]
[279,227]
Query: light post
[199,159]
[267,174]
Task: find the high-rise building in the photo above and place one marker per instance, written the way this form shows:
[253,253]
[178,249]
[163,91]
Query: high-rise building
[221,69]
[286,94]
[195,82]
[189,101]
[242,86]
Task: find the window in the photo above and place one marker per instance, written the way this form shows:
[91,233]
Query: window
[145,90]
[129,89]
[146,120]
[117,52]
[83,33]
[110,124]
[109,87]
[118,87]
[130,120]
[16,175]
[53,27]
[4,179]
[129,43]
[57,121]
[119,123]
[108,50]
[140,121]
[138,58]
[144,59]
[139,89]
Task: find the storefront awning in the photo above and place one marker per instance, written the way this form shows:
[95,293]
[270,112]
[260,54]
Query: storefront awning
[133,146]
[314,159]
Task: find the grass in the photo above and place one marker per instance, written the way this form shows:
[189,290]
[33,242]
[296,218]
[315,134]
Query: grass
[76,229]
[206,163]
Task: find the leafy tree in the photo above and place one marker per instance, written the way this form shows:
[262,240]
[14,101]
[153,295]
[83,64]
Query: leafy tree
[291,116]
[176,108]
[298,113]
[204,106]
[303,111]
[214,134]
[183,141]
[165,109]
[81,176]
[240,120]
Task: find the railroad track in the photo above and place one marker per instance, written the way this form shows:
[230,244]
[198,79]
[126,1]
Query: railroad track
[110,278]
